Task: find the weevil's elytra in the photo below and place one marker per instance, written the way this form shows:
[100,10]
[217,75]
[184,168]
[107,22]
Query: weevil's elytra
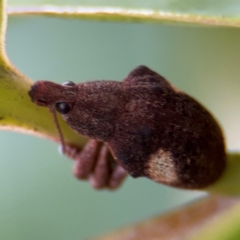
[151,128]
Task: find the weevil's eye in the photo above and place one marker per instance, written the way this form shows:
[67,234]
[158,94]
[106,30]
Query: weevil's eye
[69,83]
[62,107]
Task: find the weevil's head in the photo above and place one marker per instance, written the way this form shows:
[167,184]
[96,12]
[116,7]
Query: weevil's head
[54,95]
[89,108]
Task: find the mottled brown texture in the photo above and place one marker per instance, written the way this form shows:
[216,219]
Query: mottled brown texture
[147,123]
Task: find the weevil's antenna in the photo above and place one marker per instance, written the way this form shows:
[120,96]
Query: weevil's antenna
[62,142]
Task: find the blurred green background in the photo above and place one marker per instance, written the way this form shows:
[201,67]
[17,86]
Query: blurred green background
[40,199]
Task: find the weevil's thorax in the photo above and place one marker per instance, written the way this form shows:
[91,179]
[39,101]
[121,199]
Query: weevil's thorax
[96,109]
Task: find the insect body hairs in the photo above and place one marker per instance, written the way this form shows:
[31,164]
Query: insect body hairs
[142,126]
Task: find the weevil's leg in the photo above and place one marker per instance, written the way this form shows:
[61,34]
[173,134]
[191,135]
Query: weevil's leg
[84,158]
[102,170]
[117,177]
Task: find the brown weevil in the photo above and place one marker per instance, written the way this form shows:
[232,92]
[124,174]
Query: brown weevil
[151,129]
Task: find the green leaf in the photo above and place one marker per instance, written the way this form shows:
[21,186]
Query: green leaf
[225,227]
[221,13]
[17,112]
[228,184]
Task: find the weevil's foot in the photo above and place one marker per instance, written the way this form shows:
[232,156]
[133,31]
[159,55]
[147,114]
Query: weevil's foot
[95,163]
[117,177]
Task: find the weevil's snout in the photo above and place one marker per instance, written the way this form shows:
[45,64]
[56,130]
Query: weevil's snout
[38,94]
[46,93]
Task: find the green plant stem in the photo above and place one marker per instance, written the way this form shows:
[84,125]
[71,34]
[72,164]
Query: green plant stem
[124,14]
[17,112]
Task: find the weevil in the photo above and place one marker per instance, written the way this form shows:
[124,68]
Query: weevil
[151,128]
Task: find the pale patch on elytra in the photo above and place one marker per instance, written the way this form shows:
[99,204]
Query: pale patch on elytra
[161,167]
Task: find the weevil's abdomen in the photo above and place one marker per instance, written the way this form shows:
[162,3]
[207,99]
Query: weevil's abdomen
[191,153]
[166,135]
